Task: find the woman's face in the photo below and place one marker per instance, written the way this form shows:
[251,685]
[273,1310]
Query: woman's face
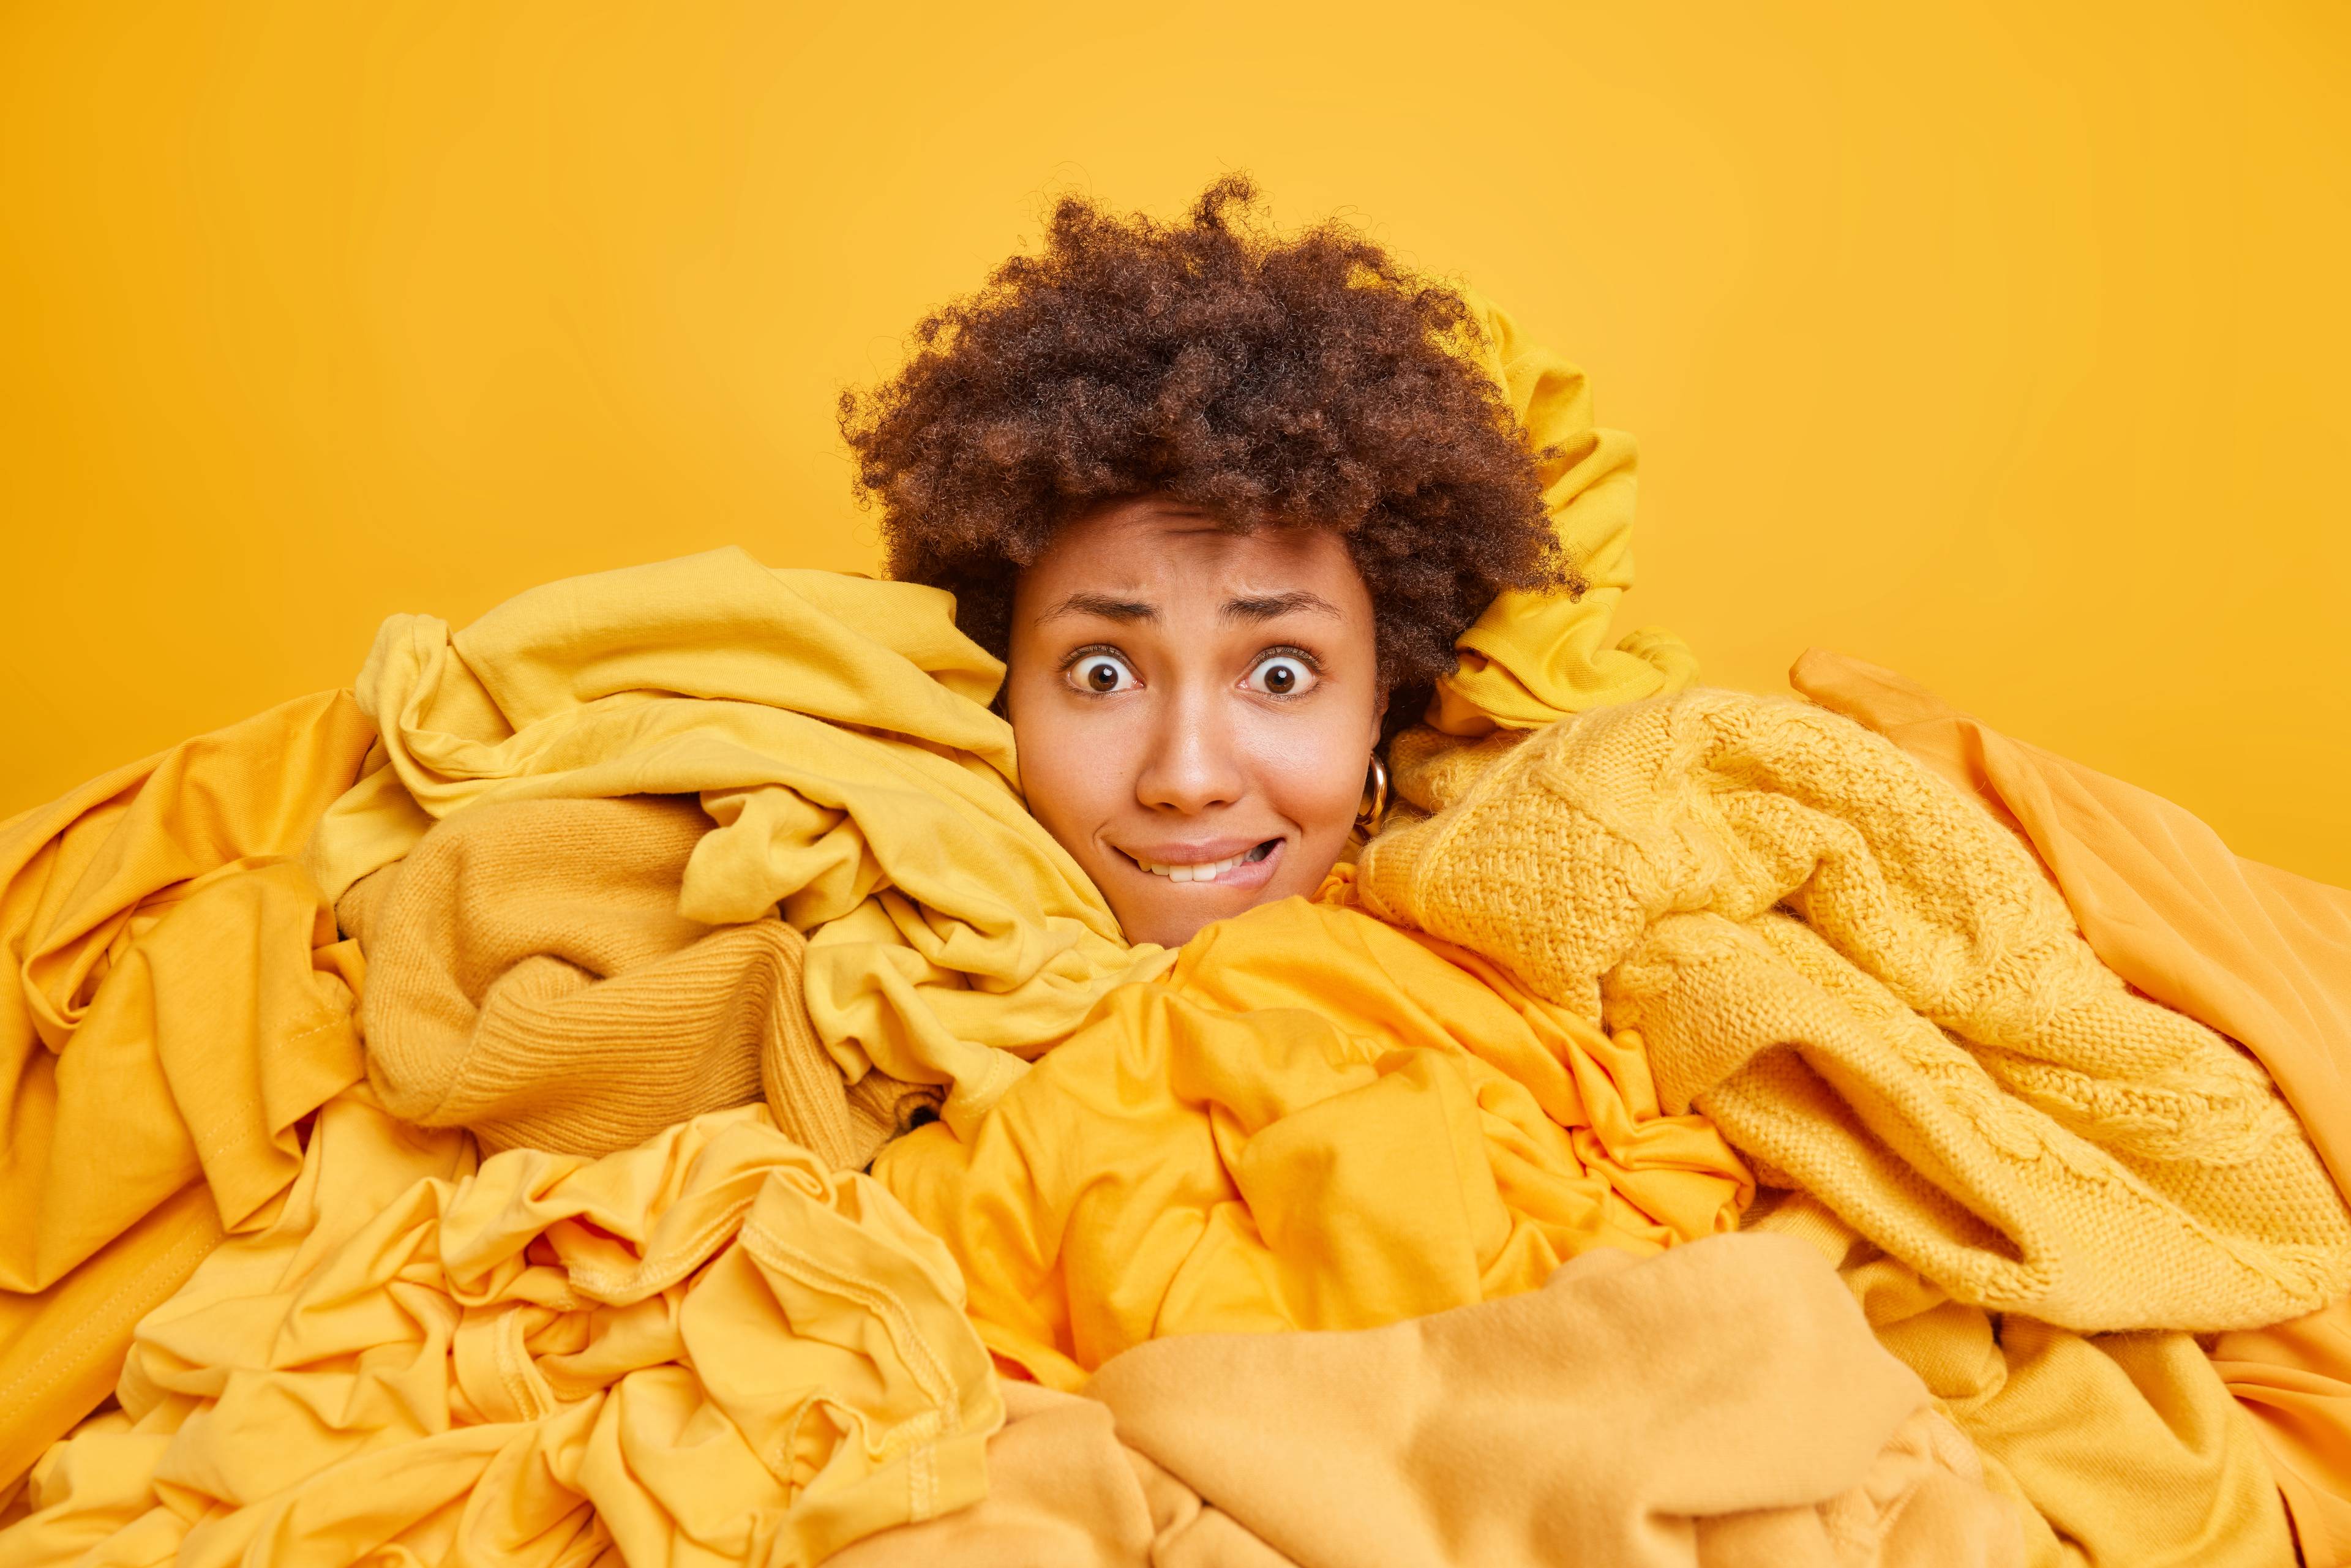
[1195,708]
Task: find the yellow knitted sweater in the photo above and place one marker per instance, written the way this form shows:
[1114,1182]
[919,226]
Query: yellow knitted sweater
[530,979]
[1873,990]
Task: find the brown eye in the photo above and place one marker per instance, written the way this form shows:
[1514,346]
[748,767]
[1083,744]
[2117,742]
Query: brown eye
[1101,675]
[1282,675]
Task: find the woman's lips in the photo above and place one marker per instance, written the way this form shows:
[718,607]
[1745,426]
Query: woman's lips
[1245,875]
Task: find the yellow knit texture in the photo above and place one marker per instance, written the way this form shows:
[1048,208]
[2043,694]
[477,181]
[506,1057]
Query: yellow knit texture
[529,979]
[1874,991]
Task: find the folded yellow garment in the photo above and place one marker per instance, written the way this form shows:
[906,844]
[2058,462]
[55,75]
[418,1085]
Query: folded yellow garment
[175,1004]
[1316,1121]
[1721,1404]
[2259,954]
[2119,1448]
[1533,658]
[837,732]
[1870,987]
[706,1350]
[530,979]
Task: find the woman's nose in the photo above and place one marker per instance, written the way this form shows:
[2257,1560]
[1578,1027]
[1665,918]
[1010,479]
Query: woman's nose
[1191,765]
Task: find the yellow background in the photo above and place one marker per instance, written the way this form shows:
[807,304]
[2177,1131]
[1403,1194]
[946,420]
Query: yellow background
[2006,344]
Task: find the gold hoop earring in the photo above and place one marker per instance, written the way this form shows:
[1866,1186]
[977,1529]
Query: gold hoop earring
[1371,807]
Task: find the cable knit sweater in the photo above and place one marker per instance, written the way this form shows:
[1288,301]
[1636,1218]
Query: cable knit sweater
[1874,991]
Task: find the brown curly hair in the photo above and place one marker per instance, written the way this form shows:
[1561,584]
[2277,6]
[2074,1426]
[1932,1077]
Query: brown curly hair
[1266,381]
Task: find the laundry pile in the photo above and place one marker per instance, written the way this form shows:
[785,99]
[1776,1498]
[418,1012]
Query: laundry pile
[630,1082]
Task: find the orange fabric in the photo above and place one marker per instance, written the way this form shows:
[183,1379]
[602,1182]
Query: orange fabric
[1316,1121]
[2294,1381]
[2259,954]
[175,1004]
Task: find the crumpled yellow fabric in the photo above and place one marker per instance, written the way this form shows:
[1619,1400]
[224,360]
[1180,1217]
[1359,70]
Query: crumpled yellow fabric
[837,731]
[1533,658]
[530,980]
[1720,1406]
[2119,1449]
[1869,986]
[175,1002]
[1314,1121]
[707,1349]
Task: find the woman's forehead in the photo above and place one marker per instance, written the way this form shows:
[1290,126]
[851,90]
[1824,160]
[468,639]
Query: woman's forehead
[1153,554]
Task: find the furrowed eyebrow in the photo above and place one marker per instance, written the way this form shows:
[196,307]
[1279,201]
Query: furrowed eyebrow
[1272,606]
[1102,605]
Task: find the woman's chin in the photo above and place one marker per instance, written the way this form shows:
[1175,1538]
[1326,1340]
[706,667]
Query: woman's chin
[1171,927]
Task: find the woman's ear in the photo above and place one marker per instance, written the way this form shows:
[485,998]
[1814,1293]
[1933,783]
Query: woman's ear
[1379,717]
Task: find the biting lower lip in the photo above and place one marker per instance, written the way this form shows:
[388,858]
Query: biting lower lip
[1209,871]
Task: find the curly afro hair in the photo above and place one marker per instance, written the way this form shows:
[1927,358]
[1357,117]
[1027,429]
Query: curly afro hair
[1268,382]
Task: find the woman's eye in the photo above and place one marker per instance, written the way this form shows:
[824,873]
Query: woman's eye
[1102,675]
[1282,675]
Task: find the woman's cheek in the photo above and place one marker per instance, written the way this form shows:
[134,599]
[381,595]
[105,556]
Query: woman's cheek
[1313,776]
[1077,774]
[1058,790]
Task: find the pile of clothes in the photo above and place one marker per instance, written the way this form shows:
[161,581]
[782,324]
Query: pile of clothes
[628,1081]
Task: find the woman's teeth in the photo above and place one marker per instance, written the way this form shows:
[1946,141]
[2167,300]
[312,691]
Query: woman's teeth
[1207,871]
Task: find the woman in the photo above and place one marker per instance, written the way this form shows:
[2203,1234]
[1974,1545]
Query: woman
[1233,510]
[1224,505]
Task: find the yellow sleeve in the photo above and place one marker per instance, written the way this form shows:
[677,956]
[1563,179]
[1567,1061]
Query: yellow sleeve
[1533,658]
